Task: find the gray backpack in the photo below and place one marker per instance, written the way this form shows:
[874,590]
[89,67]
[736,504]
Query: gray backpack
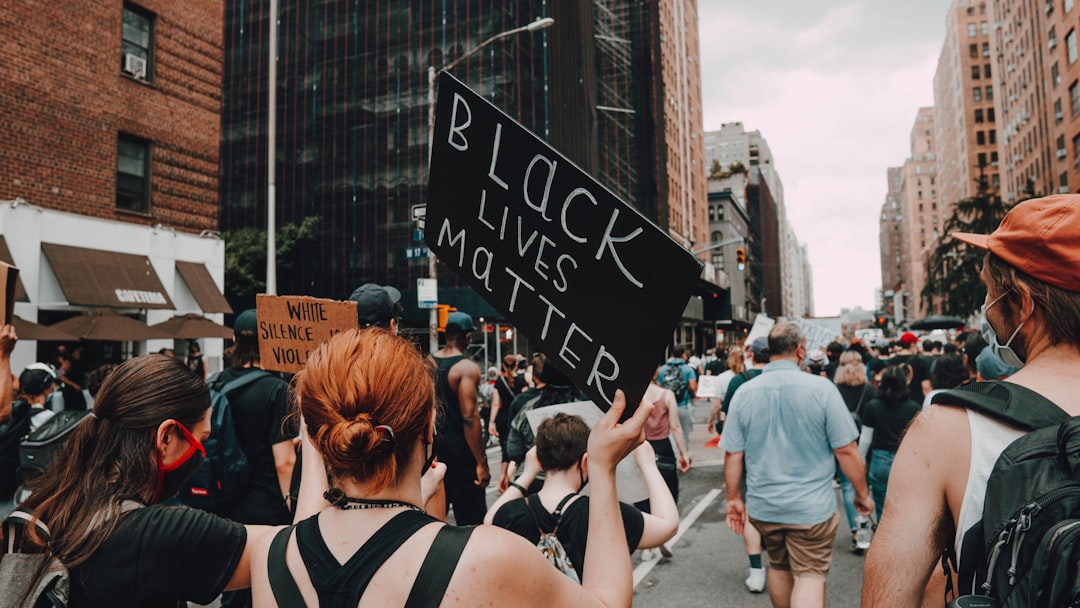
[18,570]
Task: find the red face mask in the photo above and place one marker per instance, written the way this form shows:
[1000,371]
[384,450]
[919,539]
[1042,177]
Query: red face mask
[172,477]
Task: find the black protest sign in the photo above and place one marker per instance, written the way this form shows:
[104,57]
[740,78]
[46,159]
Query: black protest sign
[592,282]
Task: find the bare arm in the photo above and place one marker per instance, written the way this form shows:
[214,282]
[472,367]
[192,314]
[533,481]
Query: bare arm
[496,405]
[662,521]
[241,577]
[733,472]
[918,524]
[607,567]
[528,474]
[7,344]
[676,431]
[468,379]
[854,468]
[284,461]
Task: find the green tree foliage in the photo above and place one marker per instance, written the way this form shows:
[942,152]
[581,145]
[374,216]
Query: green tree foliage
[715,170]
[245,258]
[953,269]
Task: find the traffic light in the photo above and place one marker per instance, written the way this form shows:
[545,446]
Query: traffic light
[444,312]
[881,321]
[740,257]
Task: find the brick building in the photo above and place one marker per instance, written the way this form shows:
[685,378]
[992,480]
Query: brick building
[111,115]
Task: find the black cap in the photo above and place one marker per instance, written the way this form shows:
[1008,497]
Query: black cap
[36,378]
[375,304]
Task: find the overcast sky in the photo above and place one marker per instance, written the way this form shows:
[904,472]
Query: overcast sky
[834,86]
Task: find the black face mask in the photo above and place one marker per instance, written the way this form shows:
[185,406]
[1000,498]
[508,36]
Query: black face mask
[172,477]
[581,474]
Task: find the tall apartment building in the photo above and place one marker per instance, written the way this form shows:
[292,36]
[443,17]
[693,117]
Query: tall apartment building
[109,168]
[919,200]
[965,120]
[1028,75]
[612,85]
[729,218]
[1061,83]
[733,144]
[894,243]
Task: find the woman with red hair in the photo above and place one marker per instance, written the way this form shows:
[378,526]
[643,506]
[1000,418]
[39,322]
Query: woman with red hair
[368,402]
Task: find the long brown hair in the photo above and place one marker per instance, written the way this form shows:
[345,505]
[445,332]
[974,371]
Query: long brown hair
[110,457]
[356,381]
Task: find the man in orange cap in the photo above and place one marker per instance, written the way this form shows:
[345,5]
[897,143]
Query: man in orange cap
[938,480]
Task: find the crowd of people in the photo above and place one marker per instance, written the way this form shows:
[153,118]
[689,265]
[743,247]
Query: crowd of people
[359,461]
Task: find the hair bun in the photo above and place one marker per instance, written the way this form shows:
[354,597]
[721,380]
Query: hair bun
[349,442]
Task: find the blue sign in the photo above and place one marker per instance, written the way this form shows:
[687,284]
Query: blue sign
[413,253]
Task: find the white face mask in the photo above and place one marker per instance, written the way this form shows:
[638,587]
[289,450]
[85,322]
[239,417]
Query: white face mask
[1004,352]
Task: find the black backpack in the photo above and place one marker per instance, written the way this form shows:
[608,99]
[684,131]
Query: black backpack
[11,434]
[223,477]
[1026,549]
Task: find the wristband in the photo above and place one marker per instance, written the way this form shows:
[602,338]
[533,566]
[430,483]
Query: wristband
[517,486]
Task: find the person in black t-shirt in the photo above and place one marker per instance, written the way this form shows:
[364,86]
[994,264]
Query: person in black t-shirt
[100,498]
[195,361]
[507,386]
[260,413]
[560,451]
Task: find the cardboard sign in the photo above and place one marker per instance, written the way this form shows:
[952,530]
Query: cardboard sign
[592,282]
[708,387]
[817,335]
[9,275]
[292,326]
[762,326]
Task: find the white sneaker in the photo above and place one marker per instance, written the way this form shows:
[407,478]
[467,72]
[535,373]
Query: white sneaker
[756,581]
[649,554]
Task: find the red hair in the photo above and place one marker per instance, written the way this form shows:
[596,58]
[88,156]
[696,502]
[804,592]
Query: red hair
[360,379]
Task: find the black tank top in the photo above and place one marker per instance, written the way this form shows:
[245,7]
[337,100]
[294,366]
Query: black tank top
[450,422]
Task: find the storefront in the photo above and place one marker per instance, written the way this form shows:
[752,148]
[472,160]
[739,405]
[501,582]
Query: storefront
[70,264]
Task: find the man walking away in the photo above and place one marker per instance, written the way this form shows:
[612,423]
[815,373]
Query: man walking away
[784,429]
[459,438]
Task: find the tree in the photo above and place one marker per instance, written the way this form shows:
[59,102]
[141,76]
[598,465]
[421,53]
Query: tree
[715,170]
[736,167]
[953,268]
[245,258]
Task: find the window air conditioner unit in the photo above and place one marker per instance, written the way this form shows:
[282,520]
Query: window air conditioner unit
[1063,189]
[1059,116]
[1052,43]
[1061,153]
[135,66]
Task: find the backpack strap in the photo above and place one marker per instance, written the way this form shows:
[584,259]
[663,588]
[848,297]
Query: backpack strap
[438,568]
[286,593]
[248,378]
[1006,402]
[557,513]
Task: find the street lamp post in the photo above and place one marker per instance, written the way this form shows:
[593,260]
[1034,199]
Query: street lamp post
[538,24]
[271,156]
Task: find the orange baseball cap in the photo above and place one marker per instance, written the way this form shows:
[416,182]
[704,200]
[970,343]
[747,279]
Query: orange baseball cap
[1040,237]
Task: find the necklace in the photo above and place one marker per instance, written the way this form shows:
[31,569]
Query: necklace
[338,499]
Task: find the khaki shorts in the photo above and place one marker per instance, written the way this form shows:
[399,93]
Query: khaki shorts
[804,550]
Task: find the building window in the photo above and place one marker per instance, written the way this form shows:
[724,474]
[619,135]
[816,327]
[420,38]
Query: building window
[1063,183]
[989,114]
[712,213]
[1076,147]
[989,93]
[986,71]
[972,30]
[137,46]
[974,50]
[982,159]
[1061,146]
[977,93]
[1051,38]
[975,72]
[980,138]
[984,28]
[993,158]
[978,116]
[1059,115]
[133,174]
[992,135]
[1070,45]
[1074,98]
[1055,75]
[986,49]
[995,180]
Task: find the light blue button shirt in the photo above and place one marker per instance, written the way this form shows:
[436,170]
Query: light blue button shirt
[787,424]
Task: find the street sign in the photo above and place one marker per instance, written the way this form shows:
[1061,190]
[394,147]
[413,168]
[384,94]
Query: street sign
[427,293]
[412,253]
[418,235]
[419,212]
[590,280]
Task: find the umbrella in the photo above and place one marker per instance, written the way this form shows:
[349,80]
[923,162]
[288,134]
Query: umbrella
[191,326]
[28,330]
[104,324]
[938,322]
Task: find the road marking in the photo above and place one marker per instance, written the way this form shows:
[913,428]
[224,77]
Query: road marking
[644,568]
